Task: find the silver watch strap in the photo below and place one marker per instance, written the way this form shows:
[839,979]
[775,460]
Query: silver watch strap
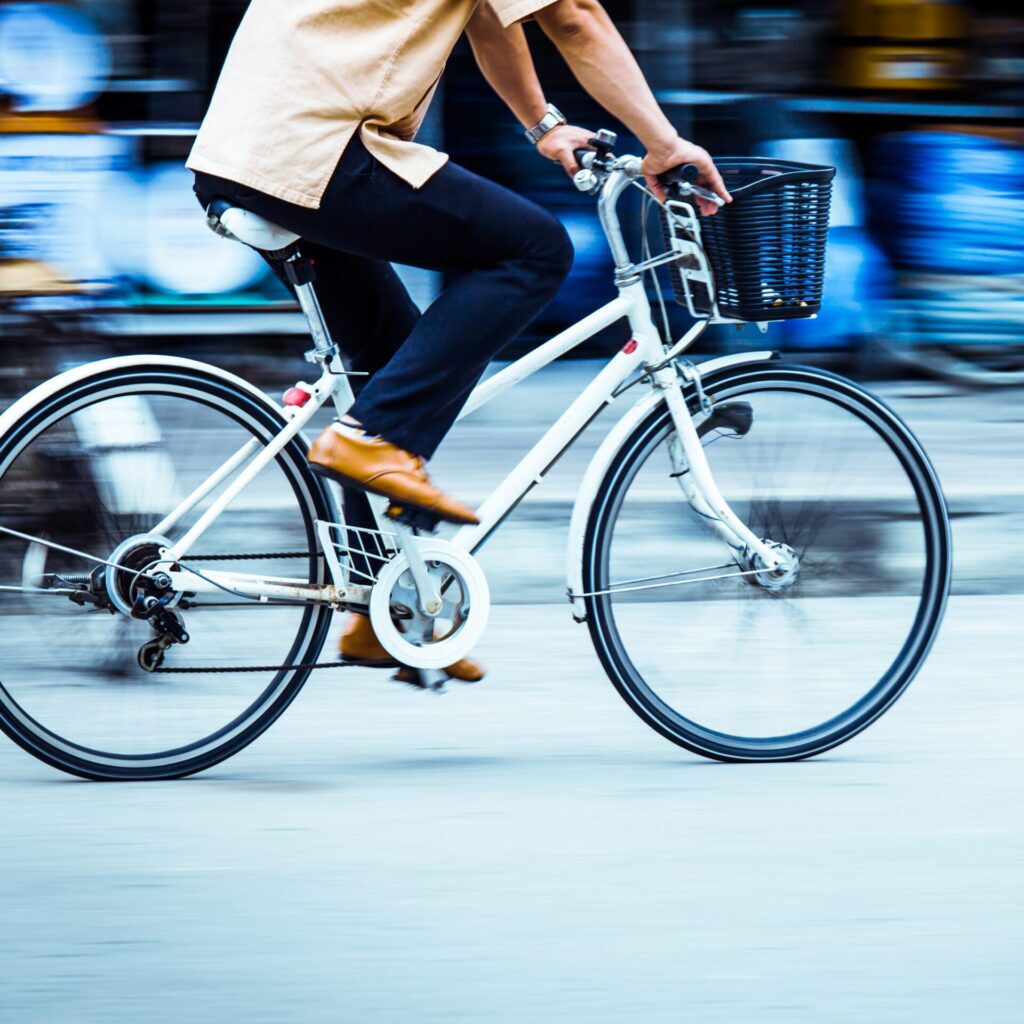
[551,120]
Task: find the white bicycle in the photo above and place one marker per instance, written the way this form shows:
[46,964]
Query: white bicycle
[761,552]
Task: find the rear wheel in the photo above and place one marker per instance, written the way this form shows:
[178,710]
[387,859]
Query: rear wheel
[737,663]
[95,468]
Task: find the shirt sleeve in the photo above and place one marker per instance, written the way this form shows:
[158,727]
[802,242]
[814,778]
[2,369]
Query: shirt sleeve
[511,11]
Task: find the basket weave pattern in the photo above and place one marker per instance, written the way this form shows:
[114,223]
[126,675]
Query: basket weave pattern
[767,247]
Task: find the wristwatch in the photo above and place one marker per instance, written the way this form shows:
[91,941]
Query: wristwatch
[553,119]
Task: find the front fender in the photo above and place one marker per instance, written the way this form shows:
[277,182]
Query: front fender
[602,460]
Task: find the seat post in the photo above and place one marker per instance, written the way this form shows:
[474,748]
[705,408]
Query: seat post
[301,272]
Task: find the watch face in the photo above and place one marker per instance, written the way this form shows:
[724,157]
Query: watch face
[52,57]
[551,120]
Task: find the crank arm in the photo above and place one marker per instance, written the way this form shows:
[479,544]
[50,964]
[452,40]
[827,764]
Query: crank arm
[430,600]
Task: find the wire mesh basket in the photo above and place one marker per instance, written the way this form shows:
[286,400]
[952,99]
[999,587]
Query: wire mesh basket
[766,248]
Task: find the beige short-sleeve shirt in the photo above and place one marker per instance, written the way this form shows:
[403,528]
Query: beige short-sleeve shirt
[303,75]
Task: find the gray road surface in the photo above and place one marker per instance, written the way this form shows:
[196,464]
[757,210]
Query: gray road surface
[526,850]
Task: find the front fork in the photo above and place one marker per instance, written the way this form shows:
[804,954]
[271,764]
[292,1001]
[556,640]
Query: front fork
[694,473]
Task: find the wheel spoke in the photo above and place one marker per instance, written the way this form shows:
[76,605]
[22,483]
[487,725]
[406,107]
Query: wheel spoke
[759,664]
[621,588]
[89,480]
[36,591]
[54,546]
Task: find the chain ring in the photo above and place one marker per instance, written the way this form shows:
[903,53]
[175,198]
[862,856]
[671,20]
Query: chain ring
[397,618]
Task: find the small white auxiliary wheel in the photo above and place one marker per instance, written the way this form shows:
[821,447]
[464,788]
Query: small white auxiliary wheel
[419,640]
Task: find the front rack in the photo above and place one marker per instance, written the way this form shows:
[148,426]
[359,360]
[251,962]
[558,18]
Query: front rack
[356,554]
[693,279]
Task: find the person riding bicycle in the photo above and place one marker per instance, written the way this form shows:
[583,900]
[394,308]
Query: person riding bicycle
[312,126]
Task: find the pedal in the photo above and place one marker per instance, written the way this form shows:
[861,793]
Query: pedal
[422,679]
[413,518]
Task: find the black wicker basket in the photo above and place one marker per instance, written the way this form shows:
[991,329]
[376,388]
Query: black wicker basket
[767,247]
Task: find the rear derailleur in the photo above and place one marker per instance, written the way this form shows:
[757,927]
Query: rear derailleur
[152,604]
[168,625]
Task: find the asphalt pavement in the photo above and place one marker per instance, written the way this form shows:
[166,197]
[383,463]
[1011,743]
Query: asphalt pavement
[527,850]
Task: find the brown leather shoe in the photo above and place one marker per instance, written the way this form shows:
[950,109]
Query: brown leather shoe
[359,644]
[375,465]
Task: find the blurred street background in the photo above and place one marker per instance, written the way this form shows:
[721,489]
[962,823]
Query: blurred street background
[918,104]
[527,850]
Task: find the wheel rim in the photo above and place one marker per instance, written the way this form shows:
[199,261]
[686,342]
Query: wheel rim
[70,686]
[715,682]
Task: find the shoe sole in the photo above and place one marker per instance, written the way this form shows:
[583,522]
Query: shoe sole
[398,678]
[359,485]
[371,662]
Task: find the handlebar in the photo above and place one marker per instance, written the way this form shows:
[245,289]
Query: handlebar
[607,176]
[680,182]
[584,157]
[684,173]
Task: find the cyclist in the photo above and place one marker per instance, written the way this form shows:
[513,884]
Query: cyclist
[312,126]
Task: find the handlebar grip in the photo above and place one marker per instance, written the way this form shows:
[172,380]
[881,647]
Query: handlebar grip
[684,172]
[581,157]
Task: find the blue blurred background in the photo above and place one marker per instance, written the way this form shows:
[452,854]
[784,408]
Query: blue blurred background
[917,103]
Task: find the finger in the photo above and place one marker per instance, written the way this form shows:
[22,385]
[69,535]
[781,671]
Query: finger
[572,149]
[655,186]
[713,180]
[579,144]
[568,161]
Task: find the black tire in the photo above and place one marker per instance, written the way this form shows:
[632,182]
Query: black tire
[257,418]
[879,693]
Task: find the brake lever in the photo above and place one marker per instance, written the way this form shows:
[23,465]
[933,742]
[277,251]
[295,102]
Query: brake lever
[687,188]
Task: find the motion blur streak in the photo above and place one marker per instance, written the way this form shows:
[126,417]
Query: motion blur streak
[526,850]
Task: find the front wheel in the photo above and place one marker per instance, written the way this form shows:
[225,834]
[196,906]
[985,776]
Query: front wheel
[736,663]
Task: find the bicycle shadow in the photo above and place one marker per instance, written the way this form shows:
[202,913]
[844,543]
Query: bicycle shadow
[342,774]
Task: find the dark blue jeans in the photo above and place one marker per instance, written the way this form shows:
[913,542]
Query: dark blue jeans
[505,257]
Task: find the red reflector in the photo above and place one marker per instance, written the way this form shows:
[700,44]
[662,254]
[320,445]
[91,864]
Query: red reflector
[296,396]
[631,346]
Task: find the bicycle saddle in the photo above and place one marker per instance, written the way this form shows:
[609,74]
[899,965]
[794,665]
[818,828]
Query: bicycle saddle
[239,225]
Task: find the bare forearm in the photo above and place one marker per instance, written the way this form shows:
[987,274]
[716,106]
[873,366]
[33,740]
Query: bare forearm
[504,58]
[602,62]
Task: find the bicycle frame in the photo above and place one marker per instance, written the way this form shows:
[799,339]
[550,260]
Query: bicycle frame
[644,352]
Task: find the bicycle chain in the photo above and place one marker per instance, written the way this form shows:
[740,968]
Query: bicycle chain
[243,558]
[233,669]
[229,669]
